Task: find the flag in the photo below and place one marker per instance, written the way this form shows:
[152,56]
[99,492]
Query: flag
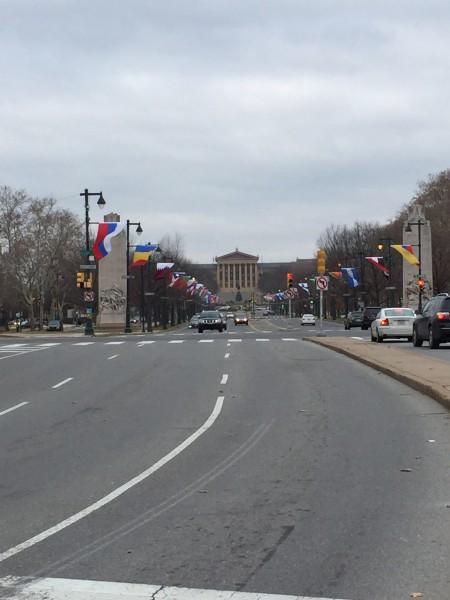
[406,250]
[335,274]
[352,276]
[178,281]
[378,262]
[304,286]
[142,254]
[105,233]
[162,268]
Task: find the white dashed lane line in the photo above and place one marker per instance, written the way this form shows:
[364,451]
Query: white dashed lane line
[224,379]
[227,355]
[176,342]
[15,407]
[63,382]
[113,356]
[113,343]
[83,344]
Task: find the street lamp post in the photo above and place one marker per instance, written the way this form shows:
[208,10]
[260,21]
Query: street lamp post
[88,329]
[408,229]
[388,241]
[127,310]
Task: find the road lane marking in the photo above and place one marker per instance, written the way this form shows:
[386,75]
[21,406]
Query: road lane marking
[113,343]
[14,346]
[227,355]
[143,343]
[176,342]
[289,339]
[262,340]
[52,588]
[224,379]
[355,337]
[83,344]
[15,407]
[63,382]
[236,340]
[113,356]
[49,345]
[121,489]
[206,341]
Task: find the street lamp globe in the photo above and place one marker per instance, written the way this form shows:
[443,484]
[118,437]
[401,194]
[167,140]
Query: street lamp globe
[139,230]
[101,201]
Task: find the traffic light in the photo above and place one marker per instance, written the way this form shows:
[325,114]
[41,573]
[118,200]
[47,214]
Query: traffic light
[380,247]
[88,282]
[321,258]
[80,279]
[421,283]
[290,279]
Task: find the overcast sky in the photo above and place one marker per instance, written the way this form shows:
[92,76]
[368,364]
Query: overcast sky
[246,123]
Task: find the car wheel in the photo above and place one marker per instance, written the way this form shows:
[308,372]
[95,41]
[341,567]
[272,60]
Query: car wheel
[379,337]
[220,329]
[372,337]
[200,330]
[417,342]
[409,338]
[432,341]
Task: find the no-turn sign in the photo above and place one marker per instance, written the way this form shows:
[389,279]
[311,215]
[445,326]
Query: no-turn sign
[322,283]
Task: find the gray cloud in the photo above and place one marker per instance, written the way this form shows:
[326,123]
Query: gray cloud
[237,123]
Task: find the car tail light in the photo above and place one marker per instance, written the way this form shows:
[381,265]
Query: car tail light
[384,322]
[443,316]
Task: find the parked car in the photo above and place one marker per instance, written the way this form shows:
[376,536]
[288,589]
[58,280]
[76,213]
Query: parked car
[55,325]
[210,319]
[353,319]
[433,324]
[369,313]
[241,319]
[308,319]
[230,315]
[393,323]
[193,323]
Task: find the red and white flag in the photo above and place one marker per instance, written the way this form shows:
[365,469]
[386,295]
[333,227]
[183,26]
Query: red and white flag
[378,262]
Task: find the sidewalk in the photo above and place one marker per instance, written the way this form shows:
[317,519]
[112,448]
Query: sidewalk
[419,371]
[71,331]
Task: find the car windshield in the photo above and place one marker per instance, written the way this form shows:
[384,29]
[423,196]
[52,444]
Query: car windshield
[399,312]
[210,314]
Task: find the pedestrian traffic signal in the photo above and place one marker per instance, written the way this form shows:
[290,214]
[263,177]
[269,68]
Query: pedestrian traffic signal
[321,260]
[421,283]
[80,279]
[88,282]
[290,279]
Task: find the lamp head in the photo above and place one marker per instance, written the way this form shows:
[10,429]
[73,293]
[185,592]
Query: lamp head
[101,201]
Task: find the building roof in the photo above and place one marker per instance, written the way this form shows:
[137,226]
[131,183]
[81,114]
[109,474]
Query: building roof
[237,255]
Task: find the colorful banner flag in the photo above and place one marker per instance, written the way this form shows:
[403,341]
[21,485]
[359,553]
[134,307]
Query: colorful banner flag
[335,274]
[304,286]
[406,250]
[105,233]
[162,269]
[378,262]
[352,276]
[142,254]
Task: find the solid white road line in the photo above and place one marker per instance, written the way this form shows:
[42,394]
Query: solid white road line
[49,345]
[227,355]
[113,343]
[83,344]
[14,346]
[289,339]
[143,343]
[121,489]
[21,588]
[262,340]
[15,407]
[176,342]
[236,340]
[224,379]
[113,356]
[206,341]
[63,382]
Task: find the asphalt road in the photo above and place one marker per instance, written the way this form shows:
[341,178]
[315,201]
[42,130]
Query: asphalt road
[249,460]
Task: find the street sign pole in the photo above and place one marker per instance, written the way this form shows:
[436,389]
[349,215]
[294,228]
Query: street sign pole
[321,311]
[290,308]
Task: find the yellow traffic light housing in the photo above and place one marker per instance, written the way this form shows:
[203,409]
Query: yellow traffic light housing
[290,279]
[80,279]
[321,262]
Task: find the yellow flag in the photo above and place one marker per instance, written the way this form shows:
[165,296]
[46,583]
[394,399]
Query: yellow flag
[407,252]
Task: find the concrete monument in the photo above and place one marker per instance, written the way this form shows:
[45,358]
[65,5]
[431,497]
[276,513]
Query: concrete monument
[112,283]
[416,221]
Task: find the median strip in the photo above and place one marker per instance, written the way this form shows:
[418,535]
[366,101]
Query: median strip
[416,369]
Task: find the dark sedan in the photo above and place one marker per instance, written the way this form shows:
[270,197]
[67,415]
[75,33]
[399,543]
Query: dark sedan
[353,319]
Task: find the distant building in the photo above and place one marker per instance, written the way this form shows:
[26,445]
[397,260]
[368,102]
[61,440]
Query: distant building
[237,276]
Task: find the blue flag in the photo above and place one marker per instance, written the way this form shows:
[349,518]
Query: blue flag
[304,287]
[352,276]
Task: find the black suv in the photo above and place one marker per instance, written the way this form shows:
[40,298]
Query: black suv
[434,322]
[210,319]
[369,314]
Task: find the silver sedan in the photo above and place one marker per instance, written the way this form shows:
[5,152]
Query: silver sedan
[393,323]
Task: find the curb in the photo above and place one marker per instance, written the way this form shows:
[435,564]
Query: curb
[412,382]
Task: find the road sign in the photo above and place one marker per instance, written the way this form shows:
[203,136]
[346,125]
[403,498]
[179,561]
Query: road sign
[322,283]
[89,296]
[88,267]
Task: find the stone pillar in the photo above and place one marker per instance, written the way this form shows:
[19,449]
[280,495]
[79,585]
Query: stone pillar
[411,272]
[219,283]
[112,283]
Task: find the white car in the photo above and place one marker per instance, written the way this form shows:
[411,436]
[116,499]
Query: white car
[393,323]
[308,320]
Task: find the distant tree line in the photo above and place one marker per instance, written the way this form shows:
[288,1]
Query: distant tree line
[348,245]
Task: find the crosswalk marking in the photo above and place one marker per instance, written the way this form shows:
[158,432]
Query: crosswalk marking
[83,344]
[14,346]
[235,340]
[49,344]
[262,340]
[21,588]
[145,342]
[206,341]
[176,342]
[113,343]
[289,339]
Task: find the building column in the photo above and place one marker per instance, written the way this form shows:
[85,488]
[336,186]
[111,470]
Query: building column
[234,276]
[246,271]
[218,276]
